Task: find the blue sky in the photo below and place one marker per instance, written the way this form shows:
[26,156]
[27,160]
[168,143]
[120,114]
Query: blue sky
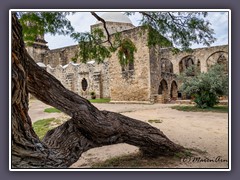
[82,21]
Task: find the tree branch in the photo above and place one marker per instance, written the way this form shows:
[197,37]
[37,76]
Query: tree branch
[104,25]
[102,127]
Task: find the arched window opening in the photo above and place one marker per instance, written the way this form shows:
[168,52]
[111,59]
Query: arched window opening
[84,84]
[166,66]
[188,62]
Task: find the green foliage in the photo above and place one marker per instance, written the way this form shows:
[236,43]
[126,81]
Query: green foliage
[39,23]
[92,93]
[219,109]
[205,87]
[165,29]
[41,127]
[181,28]
[155,38]
[205,99]
[91,46]
[126,52]
[52,110]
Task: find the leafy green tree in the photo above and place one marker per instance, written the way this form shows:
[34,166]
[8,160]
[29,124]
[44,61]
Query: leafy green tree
[205,87]
[40,23]
[88,127]
[165,29]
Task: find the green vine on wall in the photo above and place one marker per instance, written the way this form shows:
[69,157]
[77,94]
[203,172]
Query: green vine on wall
[126,52]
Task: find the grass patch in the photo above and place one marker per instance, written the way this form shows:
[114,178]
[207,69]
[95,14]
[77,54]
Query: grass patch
[52,110]
[155,121]
[138,161]
[41,127]
[220,109]
[185,153]
[103,100]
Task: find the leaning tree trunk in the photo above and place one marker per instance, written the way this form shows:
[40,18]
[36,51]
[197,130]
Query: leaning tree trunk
[87,128]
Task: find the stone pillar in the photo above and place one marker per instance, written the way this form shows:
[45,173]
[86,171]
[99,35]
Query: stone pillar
[97,84]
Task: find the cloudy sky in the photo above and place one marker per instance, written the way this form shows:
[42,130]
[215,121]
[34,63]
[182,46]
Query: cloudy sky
[81,21]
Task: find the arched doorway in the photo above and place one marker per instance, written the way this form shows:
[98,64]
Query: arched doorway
[163,90]
[174,91]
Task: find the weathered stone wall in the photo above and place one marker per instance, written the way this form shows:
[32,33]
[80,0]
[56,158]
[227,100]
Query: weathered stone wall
[131,85]
[60,56]
[162,77]
[165,66]
[199,54]
[37,49]
[37,53]
[73,75]
[113,27]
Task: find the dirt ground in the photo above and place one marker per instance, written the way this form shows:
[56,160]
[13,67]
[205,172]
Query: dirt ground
[205,131]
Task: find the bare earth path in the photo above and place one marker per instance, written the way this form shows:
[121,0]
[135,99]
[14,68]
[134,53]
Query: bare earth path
[205,131]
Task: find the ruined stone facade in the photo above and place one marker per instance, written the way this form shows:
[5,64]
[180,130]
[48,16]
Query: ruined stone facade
[151,78]
[166,65]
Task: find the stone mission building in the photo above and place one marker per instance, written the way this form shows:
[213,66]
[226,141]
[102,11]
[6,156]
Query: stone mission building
[151,78]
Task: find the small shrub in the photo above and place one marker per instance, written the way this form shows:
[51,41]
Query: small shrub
[206,88]
[93,95]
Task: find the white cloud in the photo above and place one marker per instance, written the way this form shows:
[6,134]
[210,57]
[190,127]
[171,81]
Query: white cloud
[219,21]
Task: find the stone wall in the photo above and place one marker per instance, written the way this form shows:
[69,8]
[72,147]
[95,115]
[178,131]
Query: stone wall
[163,80]
[165,66]
[199,54]
[83,78]
[37,53]
[131,85]
[113,27]
[37,49]
[60,56]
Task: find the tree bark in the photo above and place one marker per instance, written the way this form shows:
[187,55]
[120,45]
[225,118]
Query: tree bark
[87,128]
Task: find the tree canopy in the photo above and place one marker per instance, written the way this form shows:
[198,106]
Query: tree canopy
[166,29]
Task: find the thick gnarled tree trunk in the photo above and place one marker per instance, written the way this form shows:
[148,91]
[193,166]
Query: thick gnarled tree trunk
[87,128]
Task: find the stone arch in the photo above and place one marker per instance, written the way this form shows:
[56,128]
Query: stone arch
[187,62]
[163,90]
[174,90]
[166,65]
[220,57]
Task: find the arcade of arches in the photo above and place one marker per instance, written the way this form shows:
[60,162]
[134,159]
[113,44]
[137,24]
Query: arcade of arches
[172,65]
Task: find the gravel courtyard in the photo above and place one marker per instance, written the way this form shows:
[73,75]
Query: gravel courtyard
[205,131]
